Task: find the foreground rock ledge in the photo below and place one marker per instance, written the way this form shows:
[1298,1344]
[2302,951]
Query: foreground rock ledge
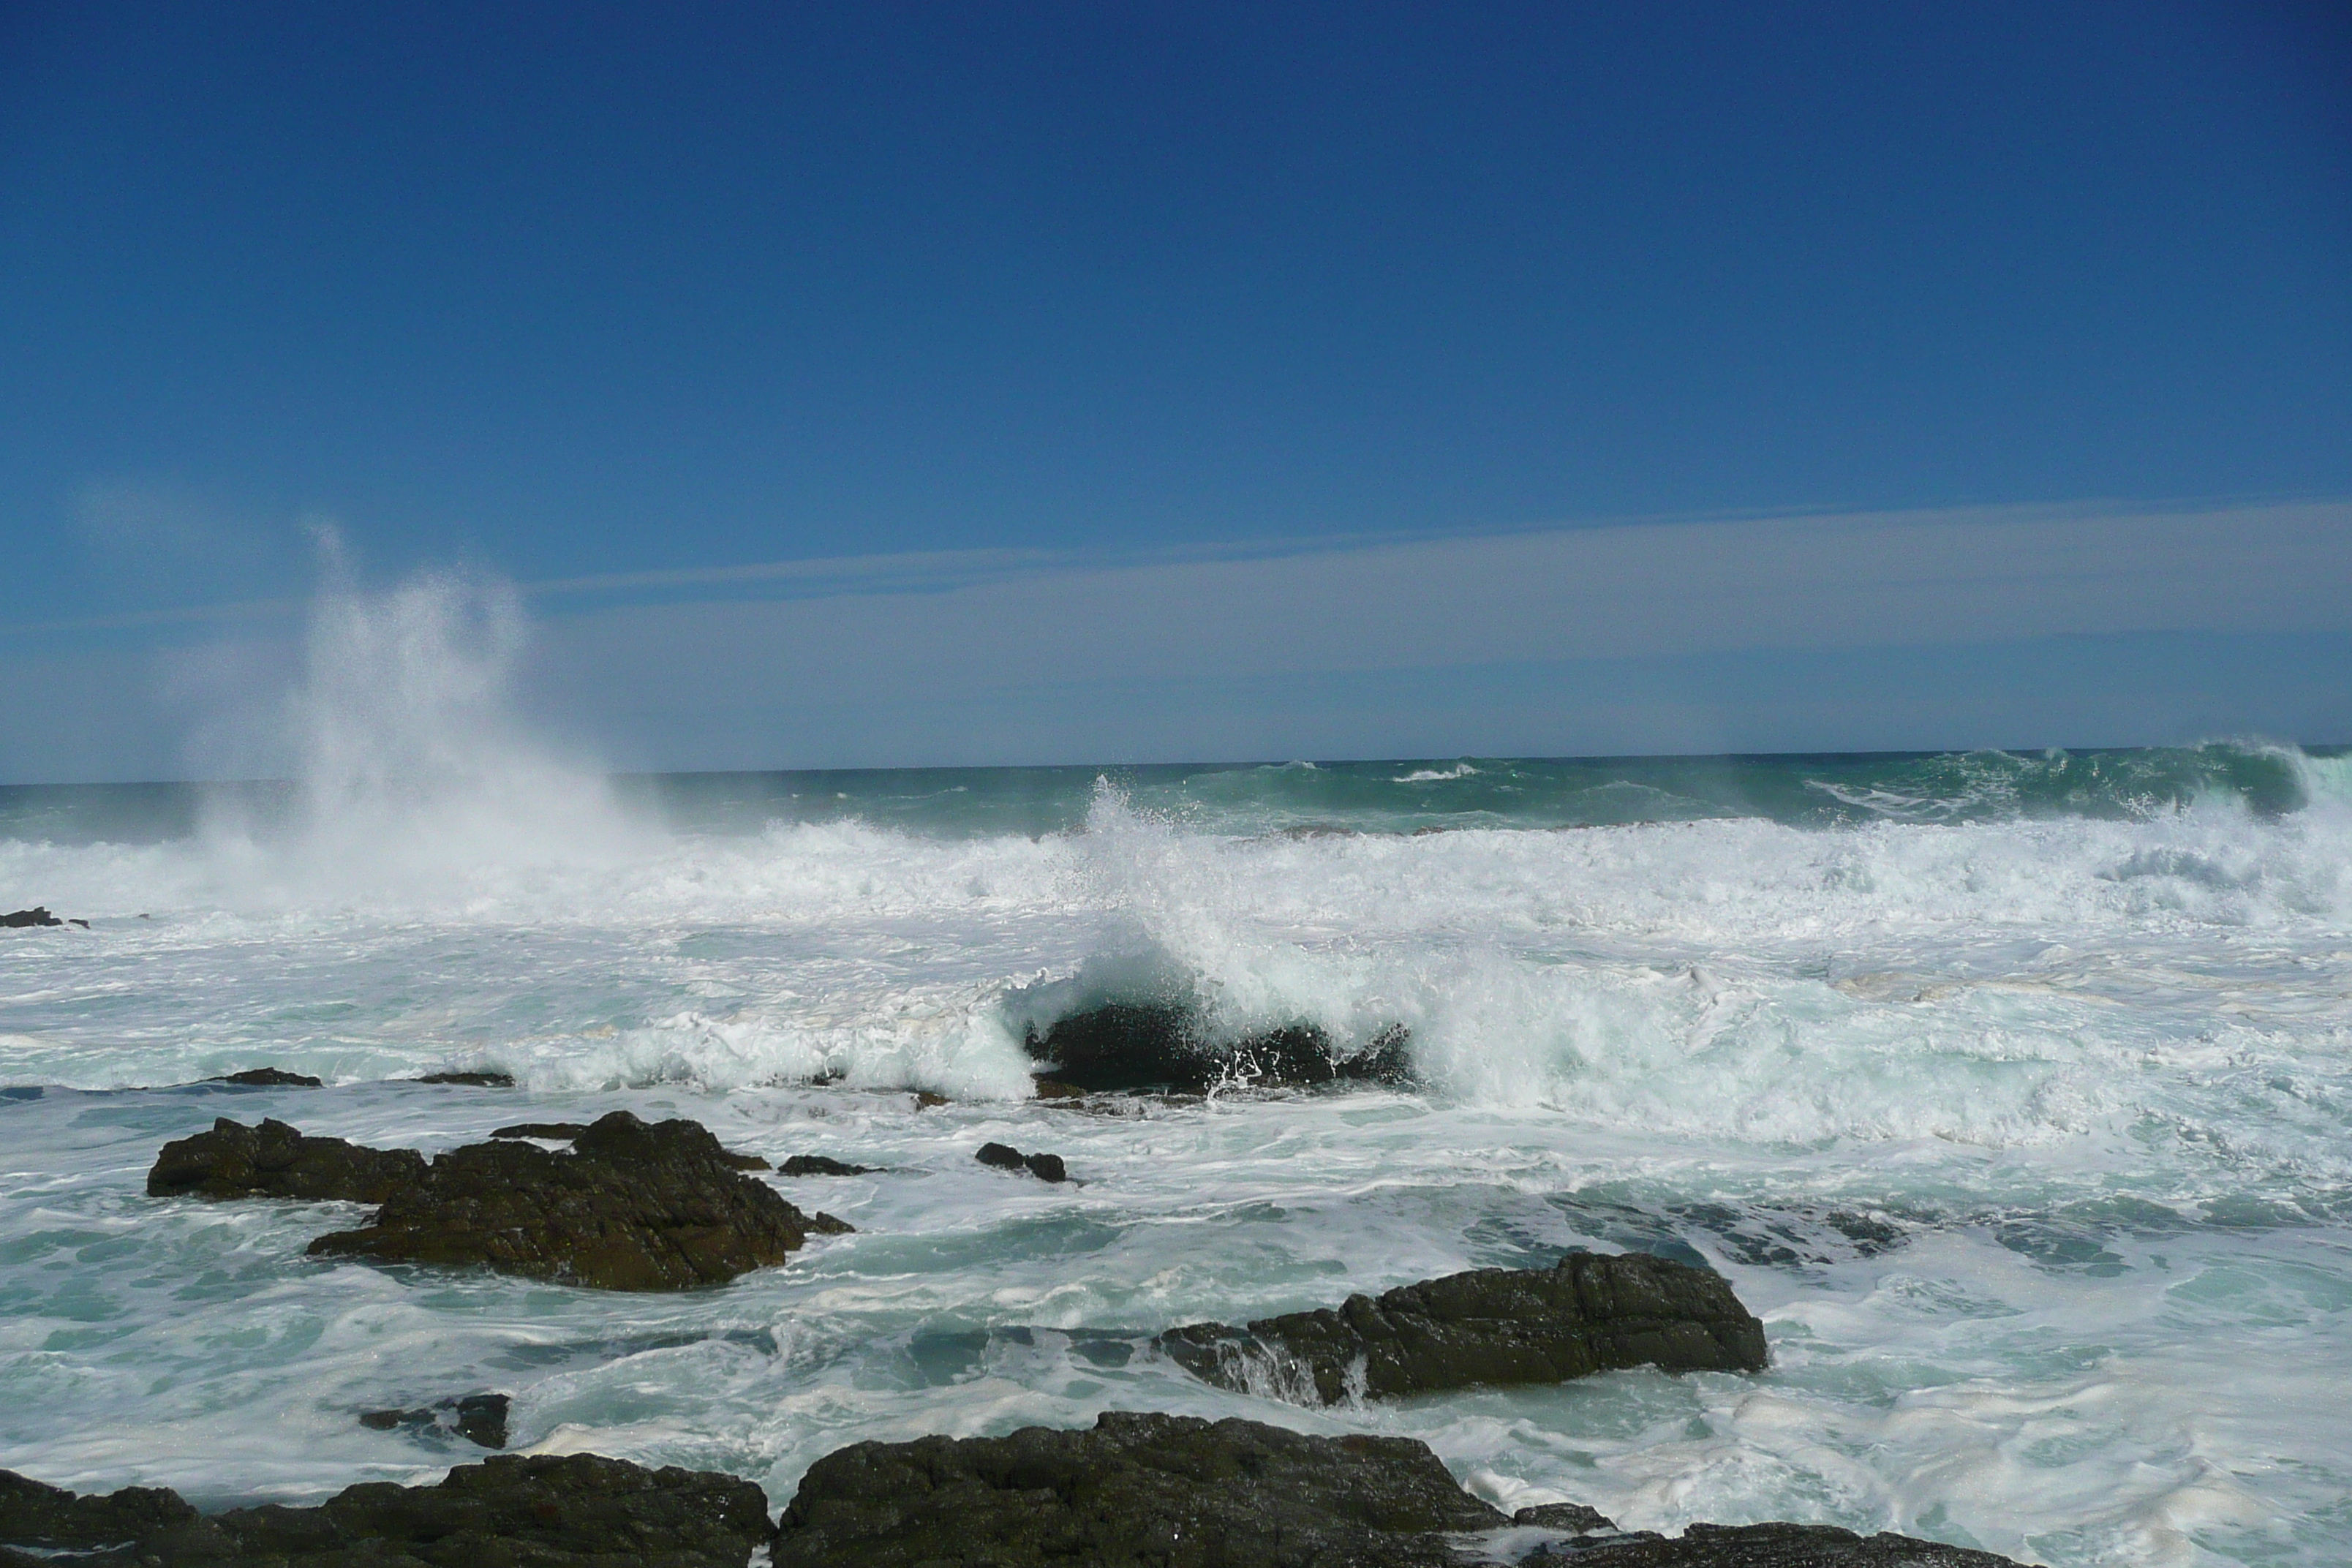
[1136,1488]
[1170,1490]
[628,1208]
[1490,1326]
[576,1510]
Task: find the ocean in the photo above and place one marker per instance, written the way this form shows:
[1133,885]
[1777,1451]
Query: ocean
[2012,1091]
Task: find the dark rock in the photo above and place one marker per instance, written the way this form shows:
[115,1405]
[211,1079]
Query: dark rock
[275,1161]
[1765,1546]
[1005,1157]
[479,1418]
[926,1101]
[576,1511]
[821,1165]
[471,1079]
[1134,1490]
[629,1207]
[1055,1089]
[1124,1046]
[36,916]
[35,1514]
[1490,1326]
[565,1132]
[269,1078]
[1573,1517]
[562,1131]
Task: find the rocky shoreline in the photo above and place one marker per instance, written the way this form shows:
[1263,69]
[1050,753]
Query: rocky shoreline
[630,1205]
[1135,1490]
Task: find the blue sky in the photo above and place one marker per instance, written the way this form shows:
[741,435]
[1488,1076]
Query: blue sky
[992,312]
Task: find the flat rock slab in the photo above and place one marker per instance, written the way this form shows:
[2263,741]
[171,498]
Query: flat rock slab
[824,1165]
[576,1510]
[1490,1326]
[1134,1490]
[630,1207]
[1764,1546]
[269,1077]
[275,1161]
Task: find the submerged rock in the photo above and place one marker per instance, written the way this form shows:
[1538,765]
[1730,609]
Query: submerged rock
[555,1132]
[629,1207]
[275,1161]
[471,1079]
[1157,1045]
[574,1511]
[1763,1546]
[823,1165]
[479,1418]
[1005,1157]
[269,1077]
[1133,1489]
[1589,1314]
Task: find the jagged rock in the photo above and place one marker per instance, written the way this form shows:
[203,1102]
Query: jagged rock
[269,1078]
[574,1511]
[1005,1157]
[821,1165]
[36,916]
[628,1208]
[479,1418]
[1763,1546]
[471,1079]
[1132,1491]
[1157,1045]
[37,1515]
[564,1132]
[1589,1314]
[1573,1517]
[275,1161]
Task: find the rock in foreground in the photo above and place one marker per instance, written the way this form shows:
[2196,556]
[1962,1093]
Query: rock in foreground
[1005,1157]
[628,1208]
[543,1511]
[1765,1546]
[1154,1045]
[1134,1490]
[1589,1313]
[274,1161]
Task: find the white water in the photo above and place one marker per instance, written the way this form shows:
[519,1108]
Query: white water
[2028,1139]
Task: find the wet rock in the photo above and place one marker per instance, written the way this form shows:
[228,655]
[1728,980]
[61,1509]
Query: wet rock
[269,1078]
[36,1515]
[823,1165]
[479,1418]
[275,1161]
[36,916]
[926,1101]
[1573,1517]
[1763,1546]
[628,1208]
[566,1131]
[1125,1046]
[1005,1157]
[1490,1326]
[471,1079]
[1131,1491]
[574,1511]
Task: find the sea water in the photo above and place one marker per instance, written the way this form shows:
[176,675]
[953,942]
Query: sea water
[2011,1091]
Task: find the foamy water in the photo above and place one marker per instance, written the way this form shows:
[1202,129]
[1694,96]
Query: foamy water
[2026,1131]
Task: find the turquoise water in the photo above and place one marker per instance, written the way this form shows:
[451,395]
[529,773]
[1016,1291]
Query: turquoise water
[2015,1093]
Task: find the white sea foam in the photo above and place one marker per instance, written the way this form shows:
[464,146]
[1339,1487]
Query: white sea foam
[2026,1136]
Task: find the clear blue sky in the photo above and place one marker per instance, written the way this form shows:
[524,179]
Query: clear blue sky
[570,291]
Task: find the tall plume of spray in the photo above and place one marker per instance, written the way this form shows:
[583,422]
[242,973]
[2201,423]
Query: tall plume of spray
[415,778]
